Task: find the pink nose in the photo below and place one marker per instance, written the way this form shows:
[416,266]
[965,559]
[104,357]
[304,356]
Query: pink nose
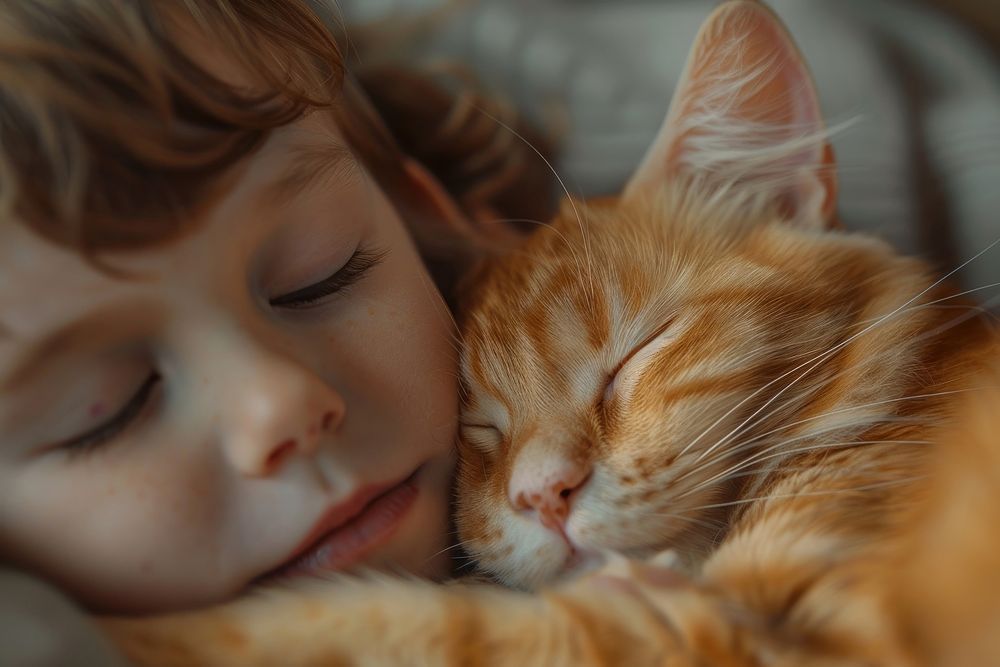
[548,488]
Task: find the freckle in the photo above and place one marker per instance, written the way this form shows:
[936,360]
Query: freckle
[371,311]
[97,410]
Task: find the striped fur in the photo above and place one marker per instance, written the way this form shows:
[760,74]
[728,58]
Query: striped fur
[778,357]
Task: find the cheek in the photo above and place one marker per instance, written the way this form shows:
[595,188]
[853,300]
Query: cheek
[424,337]
[695,411]
[647,487]
[407,337]
[118,530]
[481,505]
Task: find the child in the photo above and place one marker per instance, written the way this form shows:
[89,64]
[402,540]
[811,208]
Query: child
[223,356]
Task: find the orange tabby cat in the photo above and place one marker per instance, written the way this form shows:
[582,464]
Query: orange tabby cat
[703,365]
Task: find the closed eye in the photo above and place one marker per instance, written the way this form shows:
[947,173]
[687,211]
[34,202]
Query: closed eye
[626,372]
[125,417]
[351,272]
[482,436]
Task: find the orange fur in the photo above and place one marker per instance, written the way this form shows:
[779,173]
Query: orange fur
[945,581]
[381,621]
[739,382]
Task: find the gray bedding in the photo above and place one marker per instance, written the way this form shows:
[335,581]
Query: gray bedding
[919,165]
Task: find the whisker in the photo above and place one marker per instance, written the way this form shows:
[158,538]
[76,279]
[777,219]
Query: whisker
[744,425]
[757,458]
[862,406]
[727,453]
[470,564]
[708,523]
[925,335]
[540,223]
[562,184]
[822,356]
[867,487]
[456,545]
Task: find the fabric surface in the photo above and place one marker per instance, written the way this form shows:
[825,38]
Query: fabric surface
[919,163]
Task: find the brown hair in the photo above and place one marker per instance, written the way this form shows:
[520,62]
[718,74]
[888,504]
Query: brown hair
[111,137]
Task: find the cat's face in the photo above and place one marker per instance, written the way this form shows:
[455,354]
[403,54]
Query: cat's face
[624,368]
[617,376]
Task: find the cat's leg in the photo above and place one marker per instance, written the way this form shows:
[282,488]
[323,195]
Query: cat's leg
[796,581]
[393,622]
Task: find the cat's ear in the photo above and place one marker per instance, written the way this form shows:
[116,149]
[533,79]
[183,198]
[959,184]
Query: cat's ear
[746,115]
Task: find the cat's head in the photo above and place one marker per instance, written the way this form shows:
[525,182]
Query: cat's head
[618,367]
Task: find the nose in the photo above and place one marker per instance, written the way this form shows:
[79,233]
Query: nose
[275,410]
[547,485]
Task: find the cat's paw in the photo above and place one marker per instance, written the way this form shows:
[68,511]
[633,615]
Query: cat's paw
[698,615]
[662,570]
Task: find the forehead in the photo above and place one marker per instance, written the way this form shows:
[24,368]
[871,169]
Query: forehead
[556,316]
[44,286]
[30,266]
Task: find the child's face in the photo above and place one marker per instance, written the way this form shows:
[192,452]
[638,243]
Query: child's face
[170,436]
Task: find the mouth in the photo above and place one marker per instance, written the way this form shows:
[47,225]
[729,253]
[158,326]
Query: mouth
[581,559]
[346,533]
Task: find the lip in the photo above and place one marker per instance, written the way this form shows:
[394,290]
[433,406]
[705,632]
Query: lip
[348,531]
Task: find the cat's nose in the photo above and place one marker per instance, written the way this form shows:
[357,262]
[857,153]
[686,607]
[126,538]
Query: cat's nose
[547,487]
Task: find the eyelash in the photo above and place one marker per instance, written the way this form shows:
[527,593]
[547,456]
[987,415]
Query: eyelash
[117,424]
[357,266]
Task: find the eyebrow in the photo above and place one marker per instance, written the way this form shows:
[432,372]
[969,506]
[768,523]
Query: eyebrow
[311,166]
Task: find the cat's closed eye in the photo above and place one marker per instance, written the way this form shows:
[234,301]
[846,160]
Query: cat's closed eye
[482,436]
[623,378]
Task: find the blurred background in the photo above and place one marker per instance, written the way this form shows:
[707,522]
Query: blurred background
[919,164]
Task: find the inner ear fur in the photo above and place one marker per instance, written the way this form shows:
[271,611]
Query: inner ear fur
[746,117]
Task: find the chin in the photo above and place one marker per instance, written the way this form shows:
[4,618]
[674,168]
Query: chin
[420,547]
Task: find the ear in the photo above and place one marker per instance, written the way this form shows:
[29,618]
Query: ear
[745,115]
[442,205]
[442,221]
